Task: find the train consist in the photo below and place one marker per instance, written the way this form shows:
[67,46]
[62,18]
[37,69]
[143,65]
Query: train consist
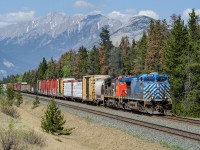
[146,92]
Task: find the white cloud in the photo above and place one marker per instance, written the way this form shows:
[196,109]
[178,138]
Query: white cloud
[8,63]
[149,13]
[185,14]
[15,17]
[3,73]
[83,4]
[122,16]
[95,12]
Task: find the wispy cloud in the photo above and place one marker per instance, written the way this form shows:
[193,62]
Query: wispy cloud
[127,14]
[185,14]
[123,15]
[15,17]
[83,4]
[149,13]
[3,73]
[8,63]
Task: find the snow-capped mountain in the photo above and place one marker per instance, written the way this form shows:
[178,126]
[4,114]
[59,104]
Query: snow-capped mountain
[24,44]
[134,29]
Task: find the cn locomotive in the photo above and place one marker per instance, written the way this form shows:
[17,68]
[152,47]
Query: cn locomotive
[149,93]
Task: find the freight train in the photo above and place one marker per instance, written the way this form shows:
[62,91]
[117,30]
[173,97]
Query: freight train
[149,93]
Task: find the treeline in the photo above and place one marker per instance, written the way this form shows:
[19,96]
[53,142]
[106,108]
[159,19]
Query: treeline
[172,48]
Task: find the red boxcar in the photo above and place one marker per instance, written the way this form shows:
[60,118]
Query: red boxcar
[18,86]
[43,89]
[53,87]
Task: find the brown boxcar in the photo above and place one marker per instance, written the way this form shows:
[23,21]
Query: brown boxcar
[25,87]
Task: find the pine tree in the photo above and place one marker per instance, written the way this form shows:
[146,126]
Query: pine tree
[140,55]
[105,51]
[19,99]
[53,121]
[175,60]
[67,64]
[10,94]
[42,69]
[102,60]
[128,59]
[124,49]
[36,102]
[81,66]
[93,61]
[192,85]
[155,52]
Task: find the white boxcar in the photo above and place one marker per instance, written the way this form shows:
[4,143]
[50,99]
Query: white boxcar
[68,88]
[77,89]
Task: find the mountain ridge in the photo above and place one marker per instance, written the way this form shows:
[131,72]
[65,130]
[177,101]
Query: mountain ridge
[54,34]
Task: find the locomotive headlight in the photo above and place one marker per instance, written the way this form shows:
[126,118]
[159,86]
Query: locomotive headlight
[157,85]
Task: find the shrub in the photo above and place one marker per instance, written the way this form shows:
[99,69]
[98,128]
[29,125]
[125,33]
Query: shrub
[53,120]
[10,110]
[33,138]
[13,139]
[9,140]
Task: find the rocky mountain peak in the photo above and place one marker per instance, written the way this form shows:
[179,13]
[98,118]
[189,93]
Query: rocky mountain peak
[27,42]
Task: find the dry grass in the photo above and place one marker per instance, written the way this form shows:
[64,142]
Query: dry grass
[18,140]
[33,138]
[9,140]
[10,110]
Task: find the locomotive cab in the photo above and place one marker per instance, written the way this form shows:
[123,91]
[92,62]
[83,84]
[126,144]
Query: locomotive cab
[154,90]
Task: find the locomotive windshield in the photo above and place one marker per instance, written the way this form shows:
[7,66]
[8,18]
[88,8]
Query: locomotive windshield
[149,78]
[161,79]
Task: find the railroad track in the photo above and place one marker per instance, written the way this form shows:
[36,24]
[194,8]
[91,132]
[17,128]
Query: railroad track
[164,129]
[182,119]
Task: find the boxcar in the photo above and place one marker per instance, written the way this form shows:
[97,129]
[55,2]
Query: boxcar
[25,87]
[92,85]
[61,85]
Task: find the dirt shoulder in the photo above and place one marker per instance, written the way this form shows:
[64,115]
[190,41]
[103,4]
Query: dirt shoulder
[86,135]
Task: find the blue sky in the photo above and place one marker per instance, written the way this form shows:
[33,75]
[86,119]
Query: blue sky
[12,11]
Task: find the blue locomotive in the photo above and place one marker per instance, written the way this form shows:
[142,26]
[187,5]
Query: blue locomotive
[146,93]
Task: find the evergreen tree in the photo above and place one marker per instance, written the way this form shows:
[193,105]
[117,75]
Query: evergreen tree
[192,84]
[155,51]
[81,66]
[105,51]
[10,94]
[67,64]
[140,55]
[175,58]
[93,61]
[124,49]
[36,102]
[51,72]
[19,98]
[42,69]
[53,120]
